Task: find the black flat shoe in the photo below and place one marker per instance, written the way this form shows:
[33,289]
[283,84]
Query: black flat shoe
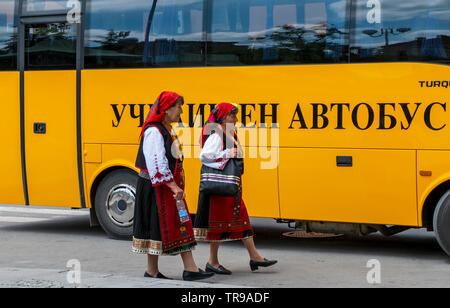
[161,276]
[255,264]
[221,270]
[201,274]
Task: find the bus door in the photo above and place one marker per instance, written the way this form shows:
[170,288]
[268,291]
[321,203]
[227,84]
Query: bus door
[48,62]
[11,191]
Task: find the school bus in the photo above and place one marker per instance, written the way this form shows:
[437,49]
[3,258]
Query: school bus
[343,105]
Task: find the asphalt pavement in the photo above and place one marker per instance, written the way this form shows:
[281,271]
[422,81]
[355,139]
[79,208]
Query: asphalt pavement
[42,247]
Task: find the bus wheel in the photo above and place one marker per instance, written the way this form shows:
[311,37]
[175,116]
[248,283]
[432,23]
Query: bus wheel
[114,203]
[441,222]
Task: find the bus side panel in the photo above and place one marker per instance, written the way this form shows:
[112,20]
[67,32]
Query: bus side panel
[116,102]
[438,162]
[329,106]
[259,194]
[11,188]
[101,157]
[379,187]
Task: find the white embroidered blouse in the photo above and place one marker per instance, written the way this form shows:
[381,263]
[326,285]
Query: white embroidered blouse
[155,157]
[213,155]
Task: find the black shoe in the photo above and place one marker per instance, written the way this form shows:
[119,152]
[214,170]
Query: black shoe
[255,264]
[221,270]
[201,274]
[161,276]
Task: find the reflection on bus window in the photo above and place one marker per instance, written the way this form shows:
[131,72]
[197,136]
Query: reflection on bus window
[176,35]
[8,36]
[44,5]
[50,46]
[402,30]
[249,32]
[168,33]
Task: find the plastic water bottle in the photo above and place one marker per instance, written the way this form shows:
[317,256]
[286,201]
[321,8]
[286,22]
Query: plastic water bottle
[182,212]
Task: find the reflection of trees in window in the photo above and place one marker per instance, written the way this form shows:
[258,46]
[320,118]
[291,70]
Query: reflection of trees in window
[10,45]
[318,46]
[50,37]
[8,53]
[119,41]
[408,31]
[421,49]
[116,48]
[159,35]
[50,46]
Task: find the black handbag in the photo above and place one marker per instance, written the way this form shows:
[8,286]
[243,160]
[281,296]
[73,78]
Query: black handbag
[226,182]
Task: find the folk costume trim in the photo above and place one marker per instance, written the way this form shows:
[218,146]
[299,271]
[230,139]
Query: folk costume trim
[155,157]
[213,155]
[174,234]
[220,178]
[144,246]
[151,247]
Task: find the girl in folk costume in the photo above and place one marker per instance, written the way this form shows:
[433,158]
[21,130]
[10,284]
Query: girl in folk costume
[158,229]
[222,218]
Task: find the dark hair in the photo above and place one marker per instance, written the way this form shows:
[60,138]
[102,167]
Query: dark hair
[234,111]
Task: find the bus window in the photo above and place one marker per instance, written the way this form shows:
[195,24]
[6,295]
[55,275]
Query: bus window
[176,35]
[254,32]
[115,31]
[403,30]
[147,34]
[50,46]
[8,36]
[31,6]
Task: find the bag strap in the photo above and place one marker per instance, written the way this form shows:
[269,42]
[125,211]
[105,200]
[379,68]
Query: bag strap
[235,141]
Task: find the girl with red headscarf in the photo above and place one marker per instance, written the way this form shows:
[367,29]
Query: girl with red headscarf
[222,218]
[158,229]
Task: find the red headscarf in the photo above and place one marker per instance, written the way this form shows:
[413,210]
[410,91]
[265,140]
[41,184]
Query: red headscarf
[164,101]
[215,118]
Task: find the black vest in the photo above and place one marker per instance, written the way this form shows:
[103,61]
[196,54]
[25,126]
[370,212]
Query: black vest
[140,159]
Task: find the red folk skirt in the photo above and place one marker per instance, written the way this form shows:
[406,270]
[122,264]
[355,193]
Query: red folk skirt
[157,226]
[221,219]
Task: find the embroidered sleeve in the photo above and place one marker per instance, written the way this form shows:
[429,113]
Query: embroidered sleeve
[213,155]
[155,157]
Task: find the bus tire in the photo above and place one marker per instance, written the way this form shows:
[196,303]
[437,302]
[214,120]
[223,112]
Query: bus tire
[441,222]
[114,203]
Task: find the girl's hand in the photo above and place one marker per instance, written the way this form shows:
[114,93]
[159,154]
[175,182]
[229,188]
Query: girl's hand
[233,153]
[178,193]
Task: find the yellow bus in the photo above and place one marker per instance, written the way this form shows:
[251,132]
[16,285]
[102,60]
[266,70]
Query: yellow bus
[343,105]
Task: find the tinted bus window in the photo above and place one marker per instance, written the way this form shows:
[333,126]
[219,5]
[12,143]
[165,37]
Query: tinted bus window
[401,30]
[176,34]
[50,46]
[246,32]
[141,34]
[8,36]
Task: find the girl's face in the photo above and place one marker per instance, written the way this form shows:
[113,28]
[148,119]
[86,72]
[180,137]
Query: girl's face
[174,112]
[230,121]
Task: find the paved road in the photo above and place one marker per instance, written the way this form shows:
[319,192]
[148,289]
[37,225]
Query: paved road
[38,242]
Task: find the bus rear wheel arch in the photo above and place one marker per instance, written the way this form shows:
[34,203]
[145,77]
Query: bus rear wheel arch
[114,201]
[441,222]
